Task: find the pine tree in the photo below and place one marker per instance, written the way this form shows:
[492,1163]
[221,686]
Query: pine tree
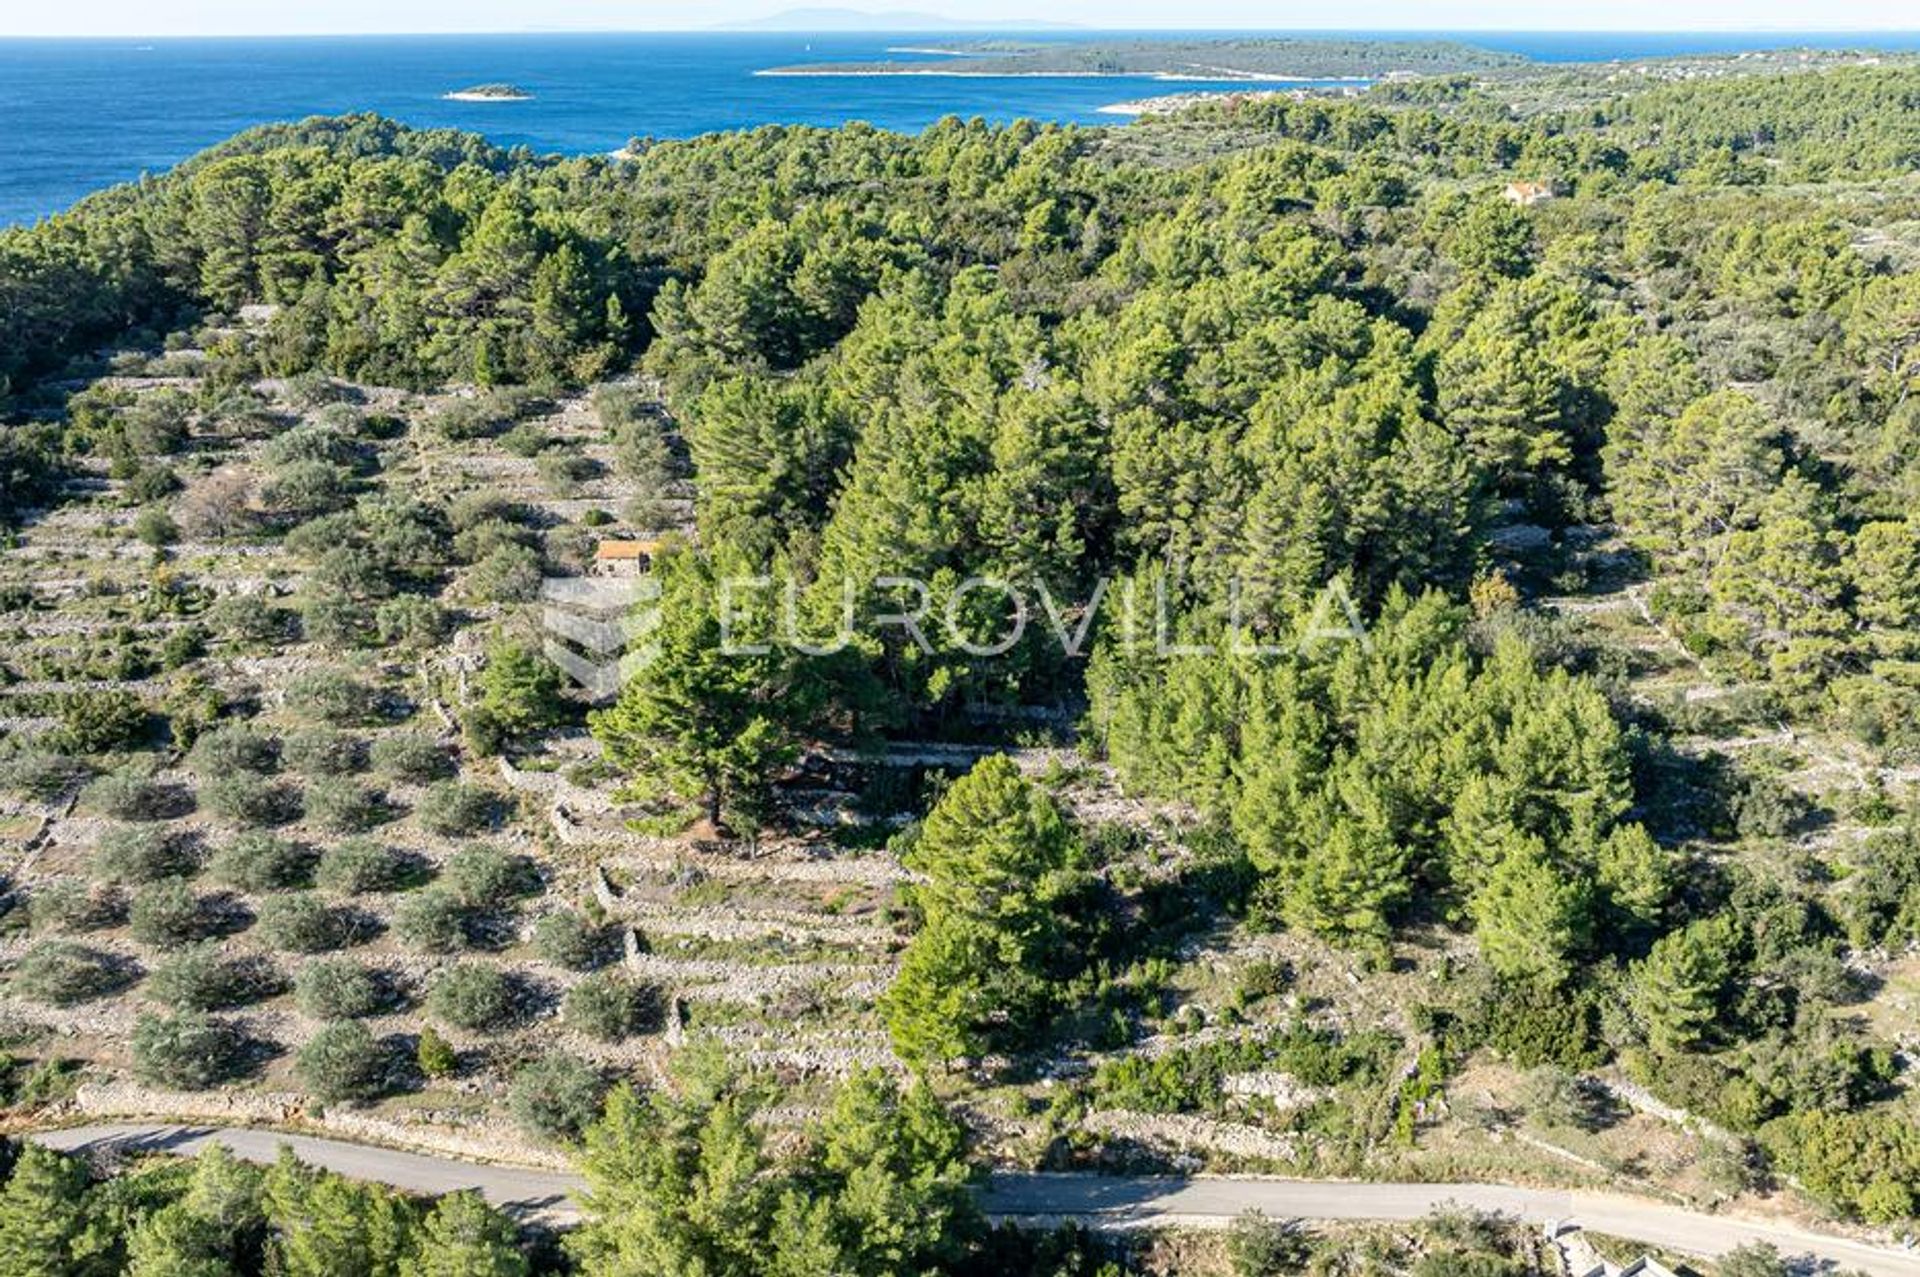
[1532,916]
[175,1242]
[42,1214]
[1885,570]
[1348,882]
[706,721]
[1000,863]
[1675,991]
[893,1168]
[566,310]
[464,1237]
[1501,397]
[1685,487]
[677,1182]
[323,1224]
[1784,582]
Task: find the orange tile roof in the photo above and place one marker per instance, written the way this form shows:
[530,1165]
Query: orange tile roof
[615,550]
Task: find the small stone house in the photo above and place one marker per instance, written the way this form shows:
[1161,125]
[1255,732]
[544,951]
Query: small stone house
[1527,194]
[624,558]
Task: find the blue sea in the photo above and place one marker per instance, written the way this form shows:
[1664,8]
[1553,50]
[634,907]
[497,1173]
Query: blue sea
[77,115]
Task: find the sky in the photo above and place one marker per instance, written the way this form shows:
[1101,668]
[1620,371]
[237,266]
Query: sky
[286,17]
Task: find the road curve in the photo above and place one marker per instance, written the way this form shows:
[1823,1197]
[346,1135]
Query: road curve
[528,1194]
[1099,1201]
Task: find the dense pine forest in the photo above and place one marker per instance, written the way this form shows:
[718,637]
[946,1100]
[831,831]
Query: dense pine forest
[1459,652]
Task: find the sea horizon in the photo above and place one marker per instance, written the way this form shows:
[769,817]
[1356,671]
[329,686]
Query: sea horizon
[82,113]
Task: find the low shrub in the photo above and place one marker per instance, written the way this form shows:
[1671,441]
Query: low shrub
[341,989]
[434,1054]
[61,974]
[135,855]
[431,921]
[201,978]
[509,573]
[343,1061]
[323,751]
[260,862]
[484,877]
[69,905]
[248,801]
[248,619]
[302,923]
[568,939]
[332,697]
[412,757]
[191,1051]
[607,1007]
[563,472]
[234,749]
[474,998]
[412,622]
[356,866]
[344,806]
[100,722]
[453,810]
[169,913]
[40,775]
[129,794]
[556,1097]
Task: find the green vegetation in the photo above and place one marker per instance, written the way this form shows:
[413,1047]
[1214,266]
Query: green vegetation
[881,1186]
[190,1051]
[344,1062]
[569,940]
[340,989]
[263,862]
[61,974]
[557,1097]
[355,866]
[203,979]
[216,1214]
[472,997]
[1002,870]
[609,1008]
[299,922]
[1462,630]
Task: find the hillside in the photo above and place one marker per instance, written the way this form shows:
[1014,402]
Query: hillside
[1367,638]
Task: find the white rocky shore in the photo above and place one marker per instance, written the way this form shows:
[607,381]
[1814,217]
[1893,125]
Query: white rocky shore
[1170,103]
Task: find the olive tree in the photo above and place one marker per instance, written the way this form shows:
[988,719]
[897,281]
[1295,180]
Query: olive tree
[343,1061]
[303,923]
[356,866]
[201,978]
[191,1051]
[341,989]
[473,997]
[61,974]
[262,862]
[557,1097]
[608,1007]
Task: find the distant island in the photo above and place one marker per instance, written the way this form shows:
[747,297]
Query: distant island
[1222,59]
[490,93]
[830,20]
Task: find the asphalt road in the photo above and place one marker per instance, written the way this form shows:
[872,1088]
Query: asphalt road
[526,1193]
[1102,1201]
[1210,1201]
